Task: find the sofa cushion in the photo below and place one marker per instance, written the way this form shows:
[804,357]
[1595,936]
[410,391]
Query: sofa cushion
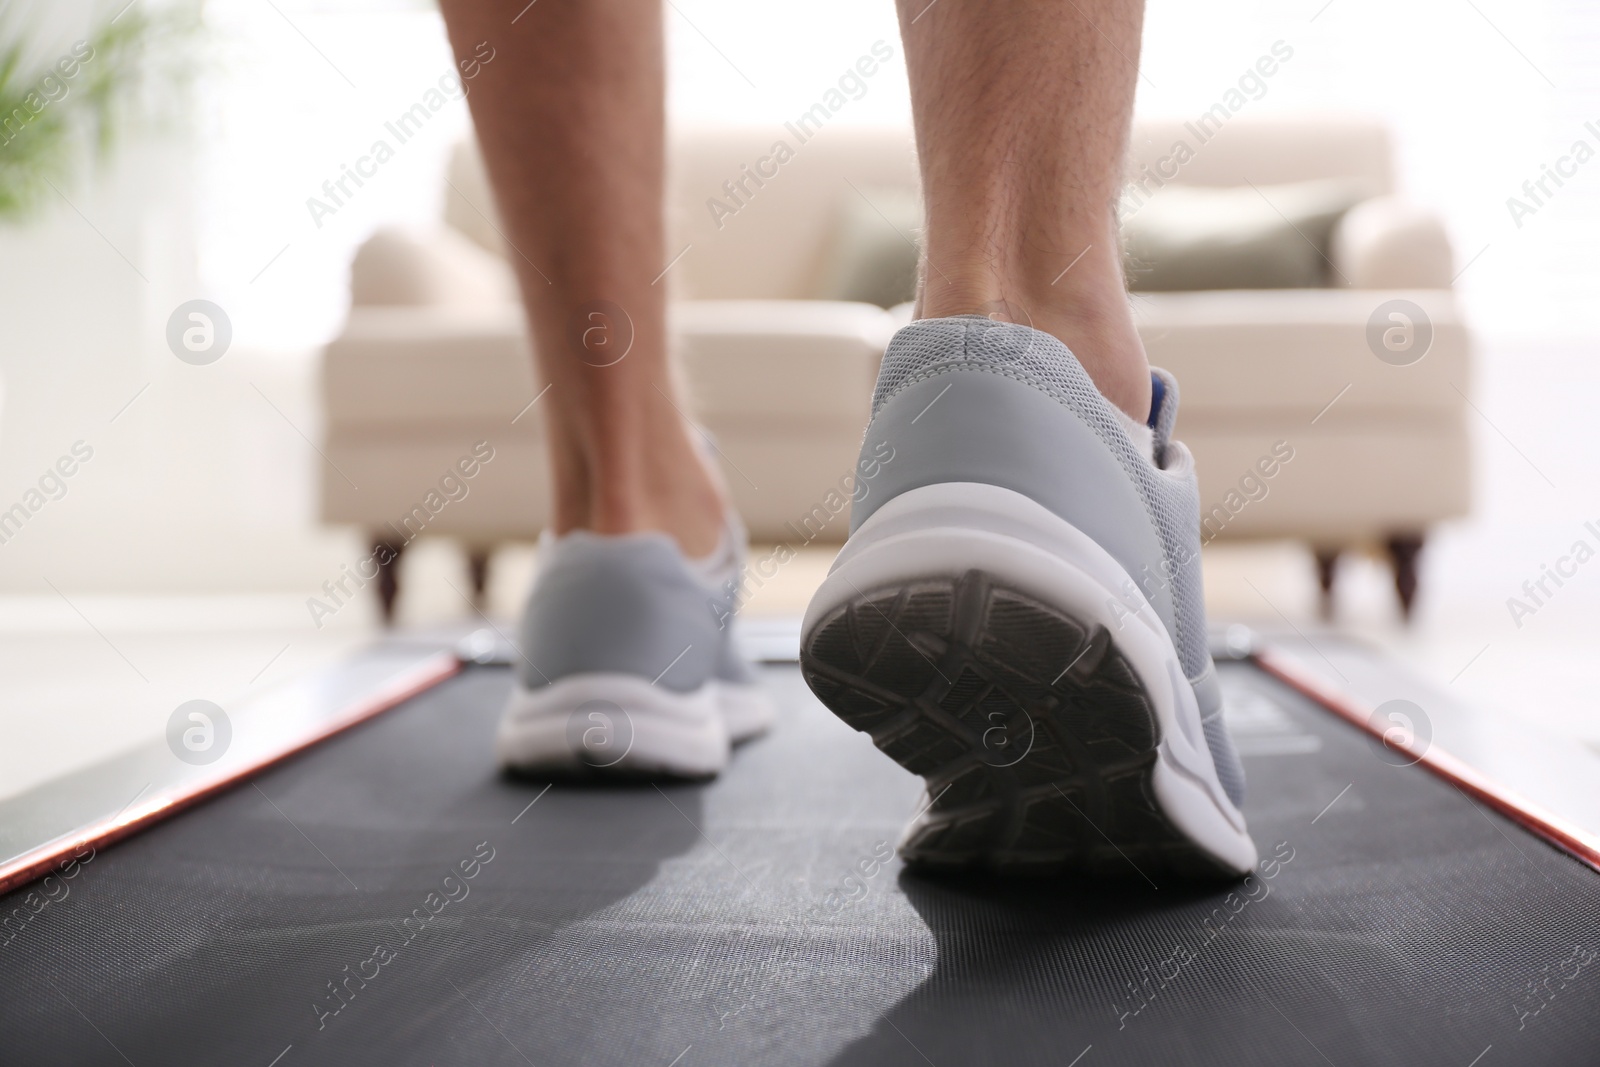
[397,482]
[1389,243]
[792,212]
[443,267]
[1284,355]
[756,363]
[873,255]
[1341,484]
[1264,149]
[789,486]
[428,366]
[1236,237]
[771,364]
[762,238]
[1182,238]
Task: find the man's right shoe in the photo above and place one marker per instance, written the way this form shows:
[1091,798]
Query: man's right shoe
[1017,617]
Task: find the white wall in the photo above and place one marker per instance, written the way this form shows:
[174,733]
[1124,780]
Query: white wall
[1479,96]
[206,481]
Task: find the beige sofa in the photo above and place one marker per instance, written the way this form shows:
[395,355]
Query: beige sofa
[1362,452]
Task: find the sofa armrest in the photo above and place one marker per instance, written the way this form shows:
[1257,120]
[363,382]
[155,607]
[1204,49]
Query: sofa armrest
[1388,243]
[443,268]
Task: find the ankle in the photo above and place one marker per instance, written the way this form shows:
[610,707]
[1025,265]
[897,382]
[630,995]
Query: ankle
[1106,341]
[694,521]
[1089,315]
[664,486]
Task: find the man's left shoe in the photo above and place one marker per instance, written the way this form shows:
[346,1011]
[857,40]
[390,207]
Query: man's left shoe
[626,665]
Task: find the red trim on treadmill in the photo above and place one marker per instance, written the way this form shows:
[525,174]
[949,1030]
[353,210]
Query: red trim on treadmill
[147,813]
[1540,822]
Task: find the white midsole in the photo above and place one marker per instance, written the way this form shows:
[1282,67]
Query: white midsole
[947,529]
[609,721]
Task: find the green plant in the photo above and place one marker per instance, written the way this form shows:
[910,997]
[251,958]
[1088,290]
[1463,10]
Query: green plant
[53,122]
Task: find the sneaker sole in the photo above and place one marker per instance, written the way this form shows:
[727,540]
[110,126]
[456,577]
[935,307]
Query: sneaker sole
[606,725]
[993,649]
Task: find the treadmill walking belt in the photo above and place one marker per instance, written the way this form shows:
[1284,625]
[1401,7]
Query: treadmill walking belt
[388,898]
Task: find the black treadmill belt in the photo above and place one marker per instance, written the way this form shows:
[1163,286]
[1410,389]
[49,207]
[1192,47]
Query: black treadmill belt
[755,920]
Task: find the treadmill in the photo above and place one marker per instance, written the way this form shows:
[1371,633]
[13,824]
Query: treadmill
[353,882]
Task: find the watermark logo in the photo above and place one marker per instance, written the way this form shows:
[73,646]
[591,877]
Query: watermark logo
[1254,486]
[1007,346]
[451,888]
[1399,332]
[1404,729]
[600,333]
[1008,737]
[1538,591]
[1252,84]
[600,733]
[1153,981]
[199,332]
[740,190]
[744,986]
[852,488]
[1537,190]
[337,191]
[452,487]
[198,732]
[52,485]
[55,84]
[51,889]
[1539,992]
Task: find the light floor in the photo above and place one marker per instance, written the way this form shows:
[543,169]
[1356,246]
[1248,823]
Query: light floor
[88,678]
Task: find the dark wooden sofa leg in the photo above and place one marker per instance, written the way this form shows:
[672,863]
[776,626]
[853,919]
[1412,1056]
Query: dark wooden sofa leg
[478,570]
[387,553]
[1404,549]
[1327,567]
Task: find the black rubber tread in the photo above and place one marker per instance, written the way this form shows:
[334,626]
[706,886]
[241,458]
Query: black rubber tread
[1035,736]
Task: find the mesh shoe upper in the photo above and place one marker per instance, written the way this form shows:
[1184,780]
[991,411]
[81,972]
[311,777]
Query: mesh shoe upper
[932,349]
[624,605]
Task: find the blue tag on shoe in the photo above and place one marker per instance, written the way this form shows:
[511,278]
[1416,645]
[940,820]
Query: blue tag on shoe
[1158,393]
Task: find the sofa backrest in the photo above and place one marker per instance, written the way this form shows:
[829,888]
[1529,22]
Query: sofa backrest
[1266,151]
[769,239]
[756,207]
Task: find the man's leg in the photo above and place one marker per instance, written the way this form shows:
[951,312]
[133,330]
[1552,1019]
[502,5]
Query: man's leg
[1022,113]
[570,120]
[626,665]
[1017,615]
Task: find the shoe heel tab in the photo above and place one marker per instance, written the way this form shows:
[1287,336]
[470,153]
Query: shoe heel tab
[1163,407]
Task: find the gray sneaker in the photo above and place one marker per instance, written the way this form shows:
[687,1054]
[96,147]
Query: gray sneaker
[627,665]
[1017,617]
